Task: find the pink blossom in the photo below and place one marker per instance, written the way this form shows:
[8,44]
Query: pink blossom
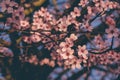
[64,45]
[33,59]
[83,3]
[67,5]
[112,31]
[35,37]
[48,16]
[108,58]
[77,24]
[42,12]
[67,63]
[38,25]
[52,63]
[75,13]
[69,41]
[49,45]
[24,24]
[45,40]
[117,41]
[82,51]
[89,10]
[100,43]
[73,37]
[62,27]
[68,54]
[27,39]
[44,61]
[6,52]
[98,38]
[110,21]
[76,63]
[87,27]
[69,20]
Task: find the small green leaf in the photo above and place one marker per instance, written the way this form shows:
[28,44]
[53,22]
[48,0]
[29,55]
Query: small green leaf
[18,40]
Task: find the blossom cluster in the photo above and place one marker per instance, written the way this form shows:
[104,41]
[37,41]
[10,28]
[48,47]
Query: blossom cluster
[66,36]
[67,54]
[5,52]
[110,57]
[14,14]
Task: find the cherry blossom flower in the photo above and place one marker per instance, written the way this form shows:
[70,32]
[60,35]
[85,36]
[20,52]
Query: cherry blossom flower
[82,51]
[62,27]
[33,59]
[35,37]
[112,31]
[89,10]
[117,41]
[72,63]
[77,24]
[48,16]
[75,13]
[100,43]
[53,55]
[69,42]
[98,38]
[68,54]
[37,20]
[69,20]
[73,37]
[52,63]
[67,5]
[76,63]
[37,26]
[45,40]
[110,21]
[24,24]
[36,15]
[49,45]
[53,21]
[63,44]
[67,64]
[34,27]
[42,12]
[83,3]
[87,27]
[6,52]
[27,39]
[44,61]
